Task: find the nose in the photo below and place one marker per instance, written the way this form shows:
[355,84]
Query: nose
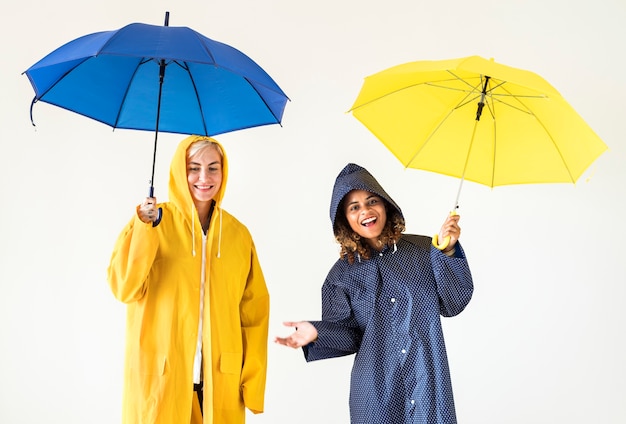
[204,175]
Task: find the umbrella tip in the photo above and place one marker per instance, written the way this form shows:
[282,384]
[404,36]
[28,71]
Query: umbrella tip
[167,18]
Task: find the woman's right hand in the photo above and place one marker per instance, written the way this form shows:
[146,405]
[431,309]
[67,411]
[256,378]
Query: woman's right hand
[305,333]
[147,211]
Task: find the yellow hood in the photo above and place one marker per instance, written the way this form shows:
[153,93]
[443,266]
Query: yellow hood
[179,193]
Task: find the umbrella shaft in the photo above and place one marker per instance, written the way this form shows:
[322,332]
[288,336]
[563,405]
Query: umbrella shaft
[481,104]
[458,194]
[156,127]
[156,131]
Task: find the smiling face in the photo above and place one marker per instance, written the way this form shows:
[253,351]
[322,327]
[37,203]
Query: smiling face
[366,215]
[204,174]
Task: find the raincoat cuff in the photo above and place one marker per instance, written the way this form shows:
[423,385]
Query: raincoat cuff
[158,220]
[155,222]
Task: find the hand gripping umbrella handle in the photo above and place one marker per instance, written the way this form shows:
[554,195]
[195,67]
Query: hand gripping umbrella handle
[446,239]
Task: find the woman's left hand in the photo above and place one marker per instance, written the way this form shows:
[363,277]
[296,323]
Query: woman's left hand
[450,228]
[305,333]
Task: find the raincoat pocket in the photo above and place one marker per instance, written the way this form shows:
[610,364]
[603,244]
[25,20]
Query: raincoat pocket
[230,363]
[146,387]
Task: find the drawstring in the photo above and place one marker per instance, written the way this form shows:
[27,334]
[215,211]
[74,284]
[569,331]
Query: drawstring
[395,248]
[219,236]
[193,232]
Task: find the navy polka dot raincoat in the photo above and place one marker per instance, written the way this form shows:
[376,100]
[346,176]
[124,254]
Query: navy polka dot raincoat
[387,310]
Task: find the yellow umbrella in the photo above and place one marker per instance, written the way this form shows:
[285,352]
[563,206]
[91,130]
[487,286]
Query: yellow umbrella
[477,120]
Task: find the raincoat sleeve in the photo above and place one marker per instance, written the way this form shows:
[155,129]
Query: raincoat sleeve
[254,310]
[454,280]
[131,261]
[338,331]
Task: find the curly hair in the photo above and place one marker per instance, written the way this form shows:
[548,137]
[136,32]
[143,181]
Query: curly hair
[352,244]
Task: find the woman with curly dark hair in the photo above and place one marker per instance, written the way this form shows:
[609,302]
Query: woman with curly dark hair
[383,300]
[352,244]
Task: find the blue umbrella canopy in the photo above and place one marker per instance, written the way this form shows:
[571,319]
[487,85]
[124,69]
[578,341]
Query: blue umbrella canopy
[158,78]
[208,88]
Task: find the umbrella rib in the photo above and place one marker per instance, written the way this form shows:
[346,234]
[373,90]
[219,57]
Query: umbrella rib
[527,110]
[208,51]
[461,103]
[38,97]
[130,82]
[430,136]
[185,66]
[464,81]
[74,67]
[201,41]
[524,109]
[472,89]
[429,83]
[263,100]
[552,139]
[492,100]
[491,107]
[498,97]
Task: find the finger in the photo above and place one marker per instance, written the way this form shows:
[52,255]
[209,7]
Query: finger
[283,341]
[287,341]
[290,324]
[453,220]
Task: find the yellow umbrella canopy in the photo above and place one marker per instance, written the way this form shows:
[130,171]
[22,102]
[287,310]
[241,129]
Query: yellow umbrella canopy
[478,120]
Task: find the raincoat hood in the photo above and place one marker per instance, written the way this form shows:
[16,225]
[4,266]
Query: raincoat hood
[355,177]
[179,193]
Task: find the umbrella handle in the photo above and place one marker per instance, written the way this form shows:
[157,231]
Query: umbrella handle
[446,239]
[443,245]
[159,211]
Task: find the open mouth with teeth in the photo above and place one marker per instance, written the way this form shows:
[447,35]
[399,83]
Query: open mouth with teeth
[368,222]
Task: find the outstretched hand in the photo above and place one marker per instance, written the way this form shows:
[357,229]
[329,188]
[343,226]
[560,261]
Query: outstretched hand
[305,333]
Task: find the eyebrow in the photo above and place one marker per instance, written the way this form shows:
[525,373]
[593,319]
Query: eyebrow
[198,163]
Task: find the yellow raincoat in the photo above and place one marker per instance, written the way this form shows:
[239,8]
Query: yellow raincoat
[157,270]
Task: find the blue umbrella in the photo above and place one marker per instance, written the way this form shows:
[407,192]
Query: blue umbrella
[158,78]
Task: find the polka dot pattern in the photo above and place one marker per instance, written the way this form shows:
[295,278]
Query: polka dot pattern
[387,311]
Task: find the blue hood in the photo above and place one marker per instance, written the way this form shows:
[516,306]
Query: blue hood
[355,177]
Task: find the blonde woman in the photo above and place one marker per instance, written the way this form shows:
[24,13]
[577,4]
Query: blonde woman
[198,305]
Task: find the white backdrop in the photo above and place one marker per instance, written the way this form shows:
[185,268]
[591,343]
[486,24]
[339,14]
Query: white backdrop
[541,342]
